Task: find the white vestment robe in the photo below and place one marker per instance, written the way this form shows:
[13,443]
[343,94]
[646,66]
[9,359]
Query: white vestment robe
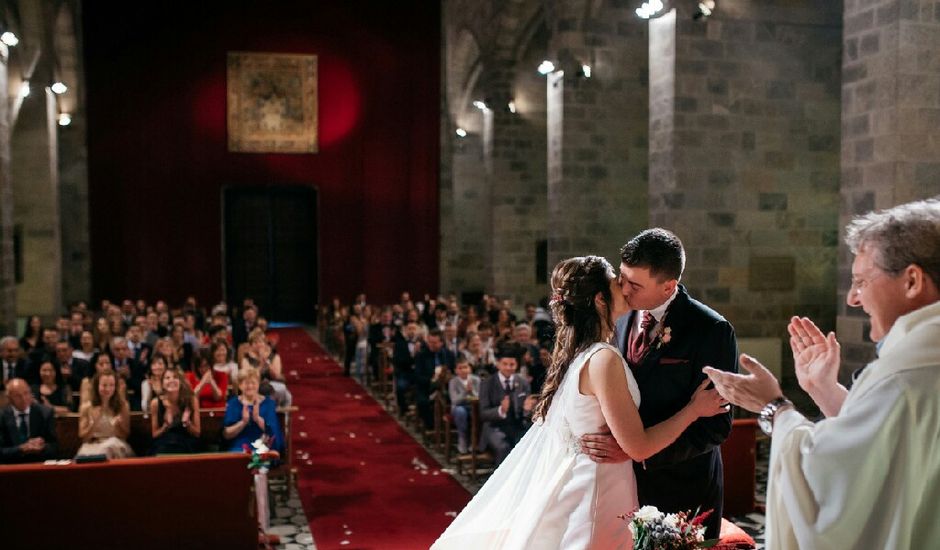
[869,477]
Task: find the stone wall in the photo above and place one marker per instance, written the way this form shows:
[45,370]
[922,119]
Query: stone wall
[744,163]
[7,268]
[597,187]
[890,128]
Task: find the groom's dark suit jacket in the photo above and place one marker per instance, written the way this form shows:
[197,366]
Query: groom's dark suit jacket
[688,473]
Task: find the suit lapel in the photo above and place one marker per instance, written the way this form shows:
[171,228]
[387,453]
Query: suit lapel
[674,318]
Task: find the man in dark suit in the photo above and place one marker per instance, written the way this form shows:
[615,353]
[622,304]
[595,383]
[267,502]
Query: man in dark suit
[27,429]
[430,364]
[73,369]
[506,404]
[133,372]
[667,339]
[12,365]
[382,332]
[407,346]
[241,329]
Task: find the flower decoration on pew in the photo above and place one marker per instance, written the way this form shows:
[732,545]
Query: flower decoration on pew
[262,456]
[654,530]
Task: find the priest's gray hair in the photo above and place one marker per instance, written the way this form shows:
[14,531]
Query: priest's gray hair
[903,235]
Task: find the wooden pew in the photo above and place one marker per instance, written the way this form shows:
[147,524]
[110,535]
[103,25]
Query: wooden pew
[211,421]
[195,501]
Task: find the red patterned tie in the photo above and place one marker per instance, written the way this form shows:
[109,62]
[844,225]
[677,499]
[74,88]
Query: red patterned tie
[641,341]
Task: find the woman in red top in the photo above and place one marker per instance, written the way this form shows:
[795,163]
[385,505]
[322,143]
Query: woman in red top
[209,385]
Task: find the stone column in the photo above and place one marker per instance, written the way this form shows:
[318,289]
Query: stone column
[516,173]
[744,133]
[7,270]
[890,128]
[34,153]
[597,130]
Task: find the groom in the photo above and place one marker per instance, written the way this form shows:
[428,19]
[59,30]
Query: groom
[666,340]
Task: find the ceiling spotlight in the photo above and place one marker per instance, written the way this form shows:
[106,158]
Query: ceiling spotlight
[546,67]
[512,106]
[479,105]
[586,71]
[9,39]
[461,132]
[649,9]
[65,119]
[24,89]
[59,88]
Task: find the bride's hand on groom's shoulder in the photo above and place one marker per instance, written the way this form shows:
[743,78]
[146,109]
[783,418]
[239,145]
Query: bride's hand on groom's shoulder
[603,448]
[707,402]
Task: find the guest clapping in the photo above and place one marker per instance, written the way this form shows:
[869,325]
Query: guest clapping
[209,385]
[105,421]
[262,357]
[251,415]
[52,390]
[463,389]
[174,417]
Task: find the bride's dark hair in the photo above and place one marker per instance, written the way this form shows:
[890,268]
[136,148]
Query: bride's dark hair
[575,283]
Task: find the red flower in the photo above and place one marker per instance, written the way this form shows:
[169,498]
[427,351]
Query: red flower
[699,519]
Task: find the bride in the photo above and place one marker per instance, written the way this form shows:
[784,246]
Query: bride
[546,494]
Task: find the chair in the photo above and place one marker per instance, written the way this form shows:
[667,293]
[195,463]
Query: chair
[475,459]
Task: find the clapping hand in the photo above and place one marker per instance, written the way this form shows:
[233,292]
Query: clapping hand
[256,414]
[529,403]
[749,391]
[816,359]
[815,356]
[504,405]
[246,416]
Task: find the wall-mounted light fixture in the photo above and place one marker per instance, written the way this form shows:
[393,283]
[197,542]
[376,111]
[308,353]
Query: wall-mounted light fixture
[585,71]
[480,104]
[24,89]
[512,106]
[546,67]
[649,9]
[705,8]
[59,88]
[65,119]
[9,39]
[461,133]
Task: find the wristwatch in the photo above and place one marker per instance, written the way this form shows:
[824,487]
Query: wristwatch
[766,418]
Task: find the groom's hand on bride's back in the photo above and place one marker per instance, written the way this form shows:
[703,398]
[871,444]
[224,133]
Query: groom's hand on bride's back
[603,448]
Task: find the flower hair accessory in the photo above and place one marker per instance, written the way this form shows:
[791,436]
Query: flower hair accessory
[557,297]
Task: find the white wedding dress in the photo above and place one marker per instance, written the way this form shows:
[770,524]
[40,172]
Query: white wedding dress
[547,494]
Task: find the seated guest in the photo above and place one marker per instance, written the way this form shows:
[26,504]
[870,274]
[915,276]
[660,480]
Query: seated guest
[152,386]
[105,421]
[261,356]
[32,334]
[52,391]
[481,359]
[430,363]
[102,334]
[102,361]
[251,415]
[209,385]
[505,404]
[86,347]
[140,350]
[12,364]
[183,349]
[131,371]
[174,417]
[222,362]
[44,351]
[462,389]
[164,347]
[72,368]
[27,429]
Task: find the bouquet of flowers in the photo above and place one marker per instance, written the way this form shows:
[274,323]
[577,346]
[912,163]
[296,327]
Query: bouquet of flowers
[261,456]
[653,530]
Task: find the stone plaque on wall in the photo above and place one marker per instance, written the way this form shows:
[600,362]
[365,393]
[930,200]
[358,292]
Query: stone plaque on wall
[772,273]
[272,103]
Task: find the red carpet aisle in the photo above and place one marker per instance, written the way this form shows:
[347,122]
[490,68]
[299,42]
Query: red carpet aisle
[364,482]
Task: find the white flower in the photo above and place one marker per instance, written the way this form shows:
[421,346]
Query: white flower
[671,520]
[648,514]
[259,446]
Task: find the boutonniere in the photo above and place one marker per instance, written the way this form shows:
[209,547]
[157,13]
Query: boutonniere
[663,334]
